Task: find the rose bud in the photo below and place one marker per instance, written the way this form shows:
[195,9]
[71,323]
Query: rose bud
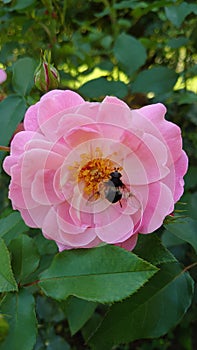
[46,75]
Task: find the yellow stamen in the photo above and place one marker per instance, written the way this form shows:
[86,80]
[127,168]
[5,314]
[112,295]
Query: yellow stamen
[91,171]
[94,172]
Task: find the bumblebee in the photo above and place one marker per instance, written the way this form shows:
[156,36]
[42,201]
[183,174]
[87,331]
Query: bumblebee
[113,188]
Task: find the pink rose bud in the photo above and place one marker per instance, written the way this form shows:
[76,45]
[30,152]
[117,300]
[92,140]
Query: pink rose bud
[46,75]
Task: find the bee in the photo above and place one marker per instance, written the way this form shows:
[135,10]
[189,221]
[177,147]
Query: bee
[113,189]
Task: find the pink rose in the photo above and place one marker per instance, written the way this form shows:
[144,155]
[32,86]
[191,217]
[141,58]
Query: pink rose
[3,76]
[62,163]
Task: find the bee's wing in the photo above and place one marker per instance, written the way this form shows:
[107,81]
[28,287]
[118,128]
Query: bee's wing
[110,190]
[132,203]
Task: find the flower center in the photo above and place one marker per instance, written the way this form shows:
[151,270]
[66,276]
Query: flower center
[94,172]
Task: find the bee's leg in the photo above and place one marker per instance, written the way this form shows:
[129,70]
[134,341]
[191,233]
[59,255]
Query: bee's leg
[120,203]
[94,195]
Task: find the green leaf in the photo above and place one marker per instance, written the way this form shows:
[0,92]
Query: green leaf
[11,226]
[175,43]
[185,229]
[56,342]
[7,281]
[129,52]
[19,309]
[190,198]
[49,310]
[170,240]
[45,246]
[188,97]
[4,327]
[103,274]
[150,248]
[78,313]
[176,14]
[149,313]
[25,257]
[22,4]
[158,80]
[101,87]
[23,75]
[12,110]
[191,178]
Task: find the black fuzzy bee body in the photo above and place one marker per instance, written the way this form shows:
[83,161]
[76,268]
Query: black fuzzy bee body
[113,187]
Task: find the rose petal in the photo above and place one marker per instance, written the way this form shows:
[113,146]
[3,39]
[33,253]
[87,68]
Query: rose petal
[160,204]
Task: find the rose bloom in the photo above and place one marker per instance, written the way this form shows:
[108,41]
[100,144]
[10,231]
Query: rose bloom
[3,76]
[88,173]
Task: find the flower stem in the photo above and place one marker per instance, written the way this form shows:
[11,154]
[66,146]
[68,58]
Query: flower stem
[29,284]
[190,267]
[4,148]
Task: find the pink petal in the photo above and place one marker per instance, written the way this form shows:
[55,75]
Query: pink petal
[55,102]
[115,114]
[21,197]
[3,76]
[112,227]
[8,163]
[148,163]
[81,134]
[20,140]
[35,217]
[160,204]
[152,121]
[65,221]
[68,121]
[88,109]
[79,240]
[31,118]
[130,243]
[42,190]
[181,166]
[35,160]
[93,243]
[115,100]
[44,144]
[52,230]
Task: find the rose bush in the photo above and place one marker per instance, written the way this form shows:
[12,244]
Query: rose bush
[60,167]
